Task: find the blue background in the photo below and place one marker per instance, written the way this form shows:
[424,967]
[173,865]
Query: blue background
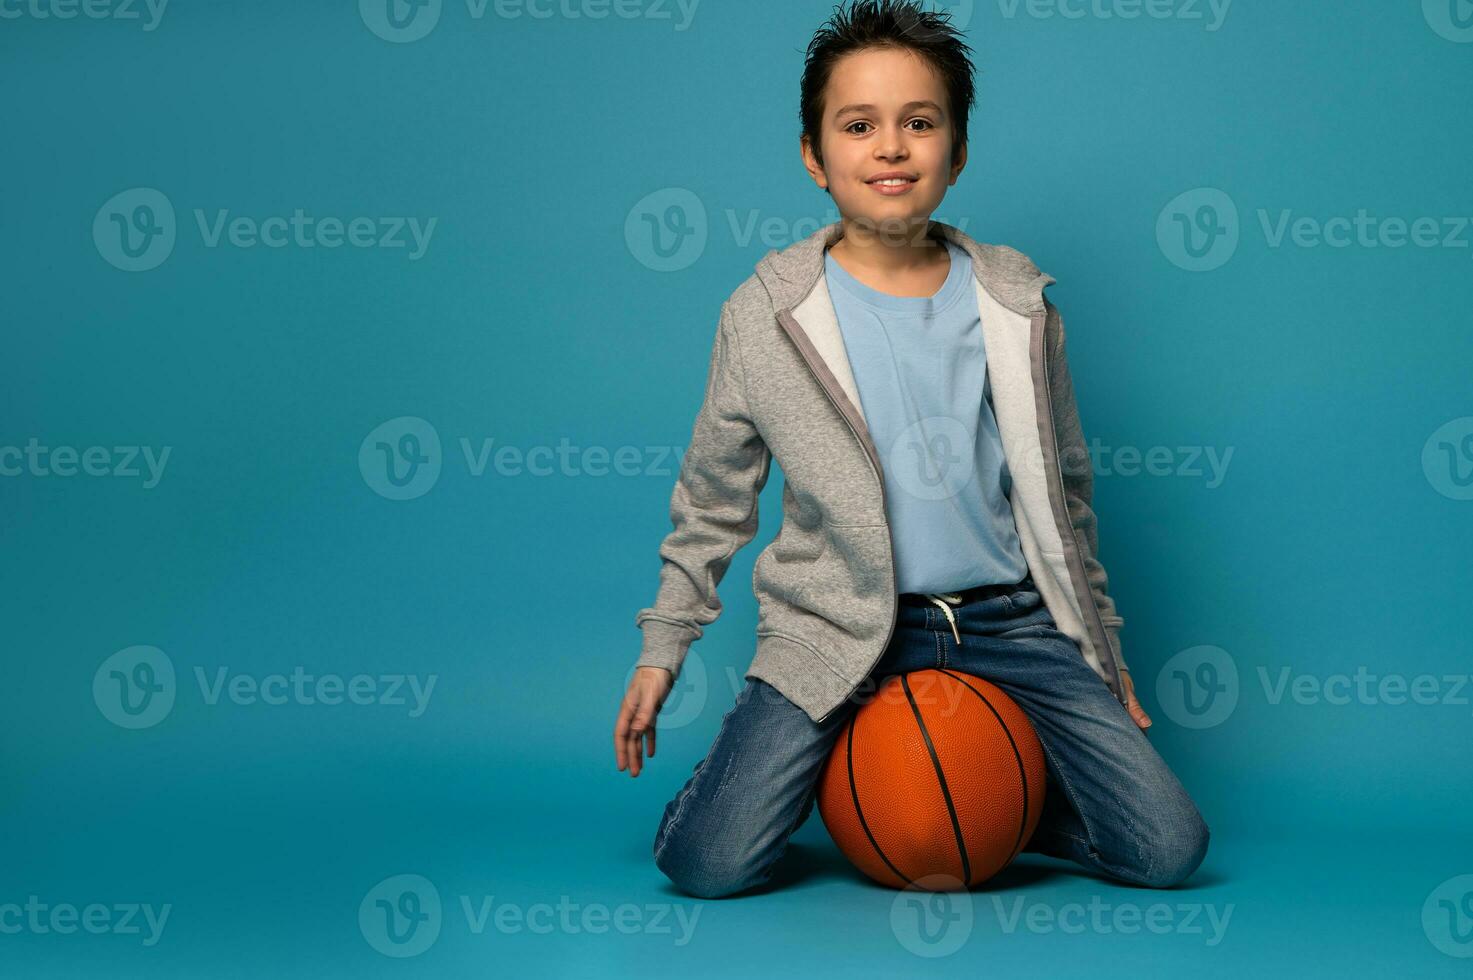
[532,318]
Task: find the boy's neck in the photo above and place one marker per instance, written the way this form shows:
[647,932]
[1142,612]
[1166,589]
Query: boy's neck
[889,250]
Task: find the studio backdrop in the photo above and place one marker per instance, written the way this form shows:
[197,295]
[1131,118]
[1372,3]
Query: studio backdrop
[350,351]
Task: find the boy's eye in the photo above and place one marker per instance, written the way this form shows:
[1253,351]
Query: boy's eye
[925,125]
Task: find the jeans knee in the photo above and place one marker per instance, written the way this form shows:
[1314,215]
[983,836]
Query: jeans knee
[1175,859]
[704,874]
[693,866]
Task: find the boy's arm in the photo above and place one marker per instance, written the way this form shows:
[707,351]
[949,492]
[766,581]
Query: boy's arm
[1078,475]
[713,509]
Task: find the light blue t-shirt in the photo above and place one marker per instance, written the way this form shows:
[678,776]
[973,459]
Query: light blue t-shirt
[921,369]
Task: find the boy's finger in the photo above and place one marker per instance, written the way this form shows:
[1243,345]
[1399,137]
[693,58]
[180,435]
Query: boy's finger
[623,730]
[630,758]
[644,724]
[636,739]
[636,757]
[621,736]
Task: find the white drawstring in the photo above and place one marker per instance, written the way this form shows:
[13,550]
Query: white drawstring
[943,599]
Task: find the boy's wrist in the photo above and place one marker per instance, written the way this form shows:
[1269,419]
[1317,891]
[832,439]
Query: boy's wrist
[665,644]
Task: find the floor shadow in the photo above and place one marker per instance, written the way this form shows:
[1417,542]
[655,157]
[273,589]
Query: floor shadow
[812,863]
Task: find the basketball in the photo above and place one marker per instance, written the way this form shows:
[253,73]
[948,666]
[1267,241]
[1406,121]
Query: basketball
[937,778]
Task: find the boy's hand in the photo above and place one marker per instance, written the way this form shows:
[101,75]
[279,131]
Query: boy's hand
[1137,713]
[647,692]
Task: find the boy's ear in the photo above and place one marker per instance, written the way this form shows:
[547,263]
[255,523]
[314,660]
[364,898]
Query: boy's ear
[961,161]
[811,162]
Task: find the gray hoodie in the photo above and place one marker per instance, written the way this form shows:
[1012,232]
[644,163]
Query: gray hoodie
[780,386]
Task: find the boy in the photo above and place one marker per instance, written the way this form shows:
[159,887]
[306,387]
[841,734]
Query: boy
[912,384]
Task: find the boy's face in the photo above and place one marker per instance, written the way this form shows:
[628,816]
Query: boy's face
[885,111]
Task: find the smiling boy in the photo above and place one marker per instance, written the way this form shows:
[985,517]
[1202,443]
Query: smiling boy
[912,384]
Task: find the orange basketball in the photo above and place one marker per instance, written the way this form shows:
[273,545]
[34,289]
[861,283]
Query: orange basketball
[939,773]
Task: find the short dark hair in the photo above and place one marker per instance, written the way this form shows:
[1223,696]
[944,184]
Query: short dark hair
[887,23]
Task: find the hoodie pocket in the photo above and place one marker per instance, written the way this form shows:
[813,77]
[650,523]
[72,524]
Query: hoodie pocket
[782,569]
[813,577]
[849,584]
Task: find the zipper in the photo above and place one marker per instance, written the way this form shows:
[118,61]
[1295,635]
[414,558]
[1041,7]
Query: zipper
[1109,651]
[790,325]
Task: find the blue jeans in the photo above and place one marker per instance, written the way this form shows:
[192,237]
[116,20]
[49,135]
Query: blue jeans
[1111,802]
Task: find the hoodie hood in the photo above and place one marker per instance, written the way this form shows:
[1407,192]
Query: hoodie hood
[1008,275]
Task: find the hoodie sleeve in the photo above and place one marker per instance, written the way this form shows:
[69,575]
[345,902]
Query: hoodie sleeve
[1078,475]
[713,509]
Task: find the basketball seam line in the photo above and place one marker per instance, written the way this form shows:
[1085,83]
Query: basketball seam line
[859,810]
[956,826]
[1017,757]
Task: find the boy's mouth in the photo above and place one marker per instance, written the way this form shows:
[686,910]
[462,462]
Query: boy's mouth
[892,182]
